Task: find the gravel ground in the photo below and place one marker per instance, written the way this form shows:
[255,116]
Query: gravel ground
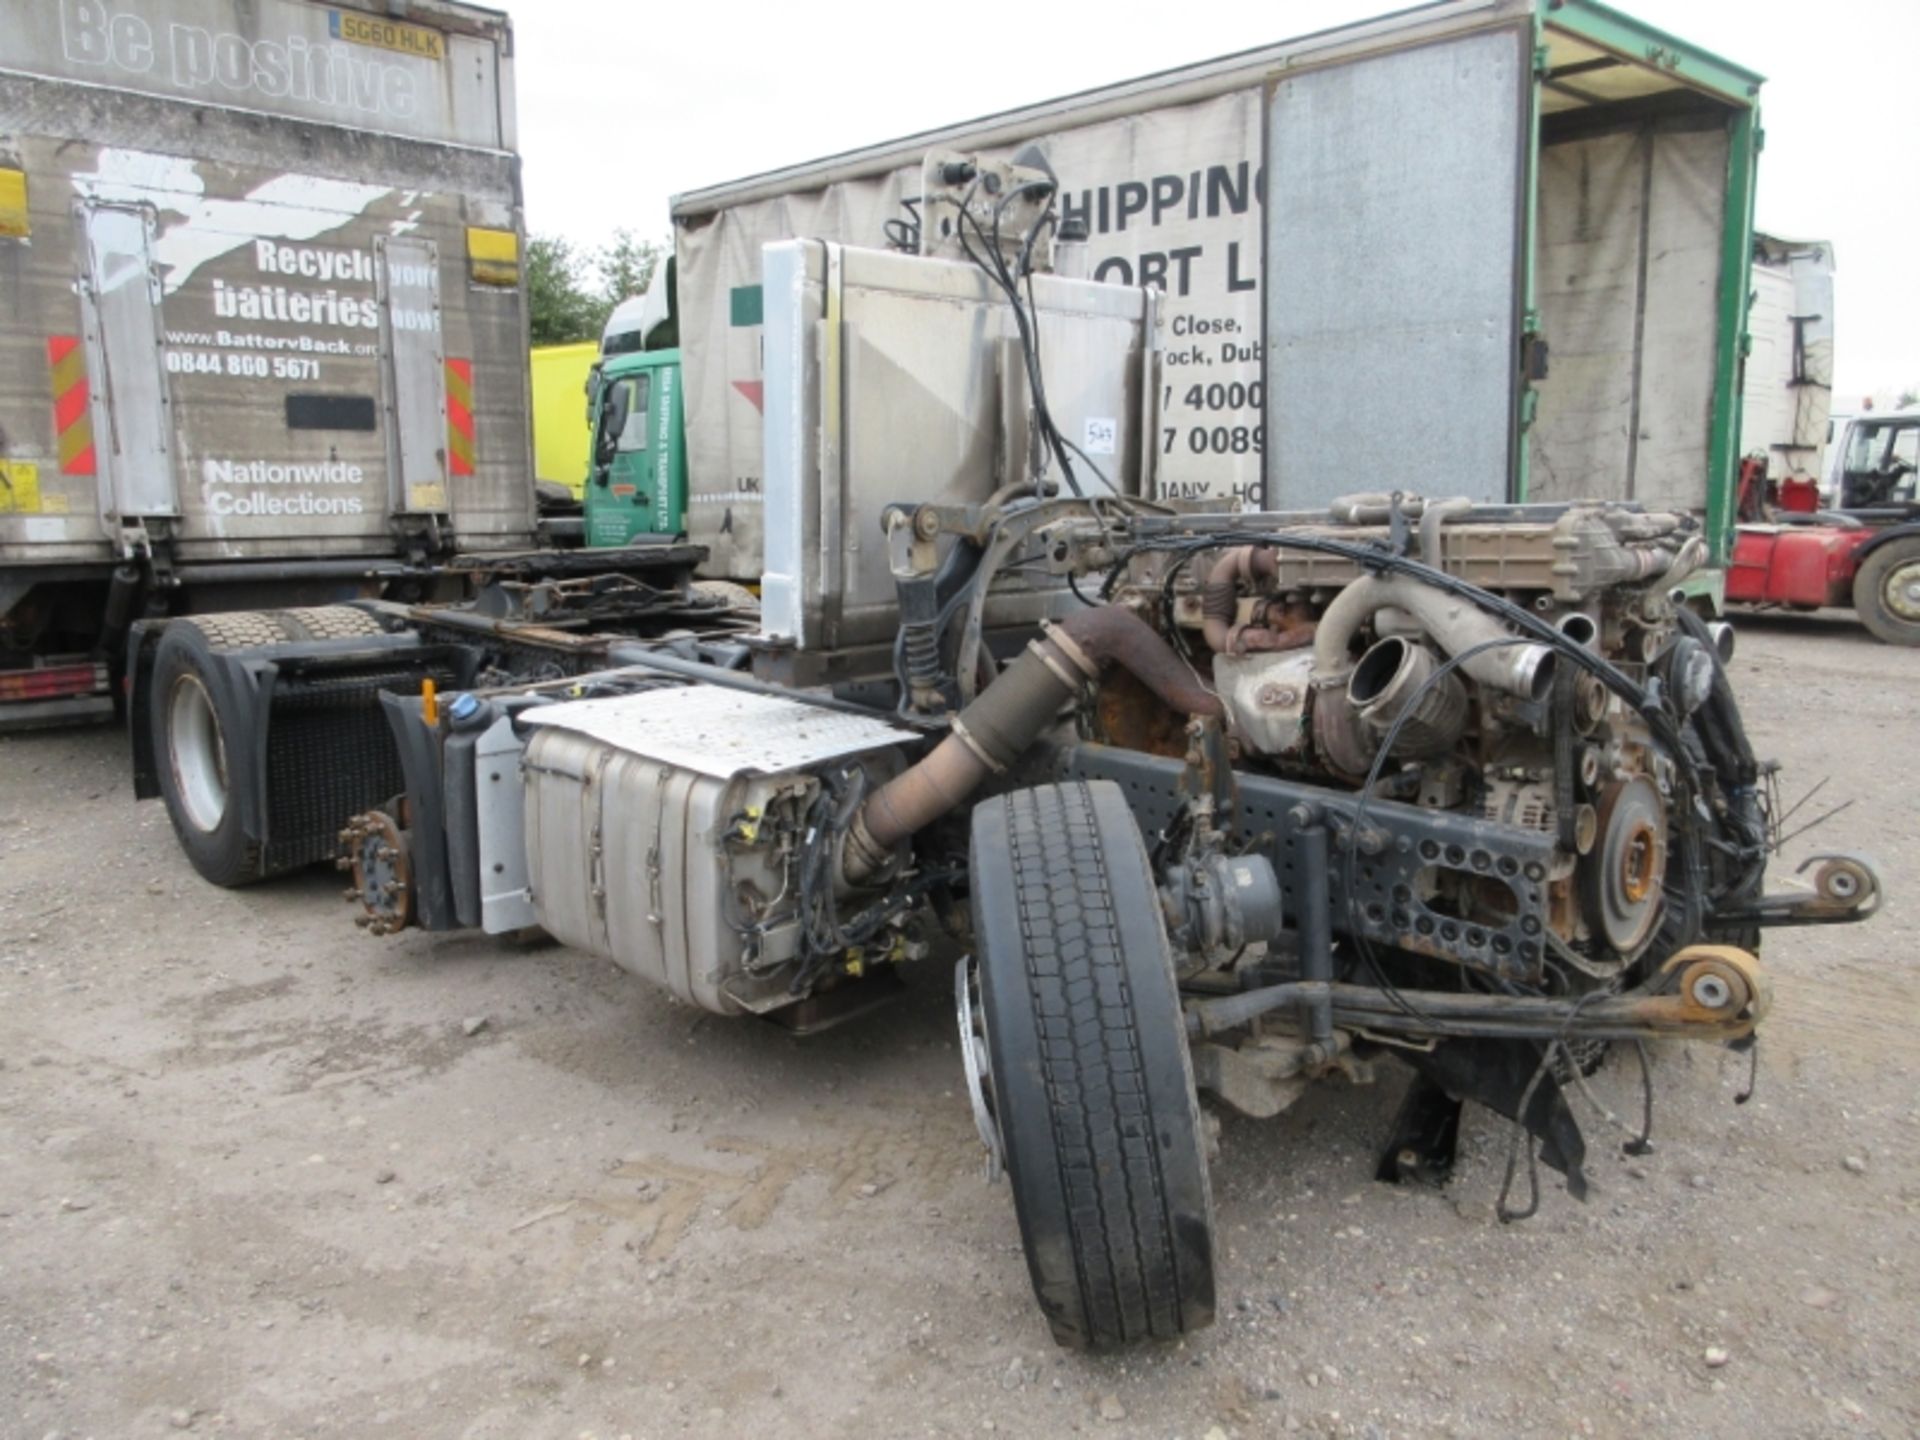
[261,1175]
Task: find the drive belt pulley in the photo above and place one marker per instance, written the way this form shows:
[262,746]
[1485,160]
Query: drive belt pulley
[1623,879]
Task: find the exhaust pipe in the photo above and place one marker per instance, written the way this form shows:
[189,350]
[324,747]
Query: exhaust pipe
[1220,604]
[990,735]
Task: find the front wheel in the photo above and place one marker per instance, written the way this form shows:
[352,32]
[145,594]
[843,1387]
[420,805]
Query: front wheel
[1093,1088]
[1886,592]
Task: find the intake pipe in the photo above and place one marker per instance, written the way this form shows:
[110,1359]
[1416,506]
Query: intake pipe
[1436,514]
[990,735]
[1524,670]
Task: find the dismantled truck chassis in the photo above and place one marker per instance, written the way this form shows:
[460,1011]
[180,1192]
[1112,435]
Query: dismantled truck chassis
[1273,796]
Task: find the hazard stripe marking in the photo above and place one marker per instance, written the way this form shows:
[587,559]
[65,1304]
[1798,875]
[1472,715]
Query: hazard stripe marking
[72,417]
[460,438]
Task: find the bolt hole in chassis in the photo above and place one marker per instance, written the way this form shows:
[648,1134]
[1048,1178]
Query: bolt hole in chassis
[1198,803]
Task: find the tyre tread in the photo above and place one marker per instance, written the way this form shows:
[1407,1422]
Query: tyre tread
[236,629]
[327,622]
[1100,1111]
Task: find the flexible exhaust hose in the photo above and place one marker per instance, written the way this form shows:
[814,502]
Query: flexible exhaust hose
[992,733]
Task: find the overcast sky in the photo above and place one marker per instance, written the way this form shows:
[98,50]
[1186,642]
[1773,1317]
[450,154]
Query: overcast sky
[622,105]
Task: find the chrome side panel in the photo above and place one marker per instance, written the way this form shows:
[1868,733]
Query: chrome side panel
[641,840]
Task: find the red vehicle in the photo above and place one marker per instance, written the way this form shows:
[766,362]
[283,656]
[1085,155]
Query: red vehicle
[1865,554]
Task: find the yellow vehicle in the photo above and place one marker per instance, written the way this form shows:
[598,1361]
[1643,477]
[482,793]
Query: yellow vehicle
[560,424]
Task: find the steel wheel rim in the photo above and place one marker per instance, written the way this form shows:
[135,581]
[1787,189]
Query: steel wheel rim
[197,752]
[1900,591]
[978,1062]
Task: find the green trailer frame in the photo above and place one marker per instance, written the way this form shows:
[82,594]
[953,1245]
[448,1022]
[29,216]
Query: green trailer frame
[1637,43]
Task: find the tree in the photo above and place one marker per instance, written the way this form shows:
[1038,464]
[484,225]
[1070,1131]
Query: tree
[560,307]
[570,292]
[1908,397]
[626,267]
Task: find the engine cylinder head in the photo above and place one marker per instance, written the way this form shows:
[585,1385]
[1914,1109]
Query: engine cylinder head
[1396,681]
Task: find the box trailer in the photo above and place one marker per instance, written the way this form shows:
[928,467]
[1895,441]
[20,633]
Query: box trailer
[262,334]
[1787,398]
[1510,263]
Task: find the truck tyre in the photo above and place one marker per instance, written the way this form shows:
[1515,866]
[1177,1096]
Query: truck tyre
[324,622]
[1092,1084]
[1886,592]
[193,720]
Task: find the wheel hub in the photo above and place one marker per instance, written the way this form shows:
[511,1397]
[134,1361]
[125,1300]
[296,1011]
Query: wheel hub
[1901,591]
[197,752]
[380,859]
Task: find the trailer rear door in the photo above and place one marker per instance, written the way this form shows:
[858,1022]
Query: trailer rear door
[416,397]
[1395,236]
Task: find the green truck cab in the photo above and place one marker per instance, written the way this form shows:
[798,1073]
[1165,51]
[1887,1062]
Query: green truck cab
[637,477]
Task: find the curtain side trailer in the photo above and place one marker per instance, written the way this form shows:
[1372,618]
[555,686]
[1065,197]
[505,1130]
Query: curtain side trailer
[1512,265]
